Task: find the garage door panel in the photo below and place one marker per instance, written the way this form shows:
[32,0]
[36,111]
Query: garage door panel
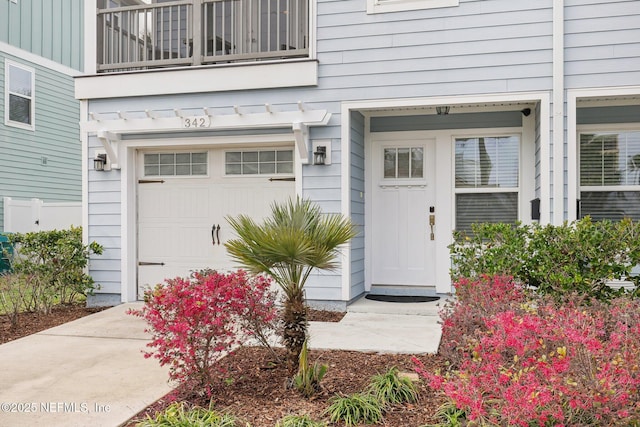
[164,201]
[175,220]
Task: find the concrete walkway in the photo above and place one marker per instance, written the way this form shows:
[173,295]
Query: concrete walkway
[91,372]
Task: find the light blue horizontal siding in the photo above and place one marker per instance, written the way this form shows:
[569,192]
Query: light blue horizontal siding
[43,163]
[53,29]
[324,285]
[602,43]
[104,227]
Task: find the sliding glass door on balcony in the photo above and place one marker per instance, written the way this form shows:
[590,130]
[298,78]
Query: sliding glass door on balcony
[193,32]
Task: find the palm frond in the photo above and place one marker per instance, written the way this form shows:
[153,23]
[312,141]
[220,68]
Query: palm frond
[296,238]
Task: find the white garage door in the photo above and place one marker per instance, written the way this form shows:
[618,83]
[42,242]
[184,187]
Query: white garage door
[184,197]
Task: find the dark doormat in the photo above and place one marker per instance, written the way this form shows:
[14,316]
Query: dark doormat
[401,298]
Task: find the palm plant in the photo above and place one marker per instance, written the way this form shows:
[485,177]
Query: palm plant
[288,245]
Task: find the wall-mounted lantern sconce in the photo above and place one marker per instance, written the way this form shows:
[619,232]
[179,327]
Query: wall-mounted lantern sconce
[443,110]
[322,152]
[99,162]
[320,155]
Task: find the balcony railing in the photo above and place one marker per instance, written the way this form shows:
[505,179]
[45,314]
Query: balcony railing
[196,32]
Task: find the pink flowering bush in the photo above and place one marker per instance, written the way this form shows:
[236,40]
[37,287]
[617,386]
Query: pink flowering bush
[541,363]
[195,321]
[476,300]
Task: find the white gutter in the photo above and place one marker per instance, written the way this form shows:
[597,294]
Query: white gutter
[558,112]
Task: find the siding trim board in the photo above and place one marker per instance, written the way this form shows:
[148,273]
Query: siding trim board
[386,6]
[39,60]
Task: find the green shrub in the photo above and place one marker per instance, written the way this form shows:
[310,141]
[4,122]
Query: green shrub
[300,421]
[179,415]
[14,290]
[582,256]
[355,408]
[391,388]
[55,262]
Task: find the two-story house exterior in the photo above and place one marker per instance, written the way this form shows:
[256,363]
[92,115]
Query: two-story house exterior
[41,51]
[412,117]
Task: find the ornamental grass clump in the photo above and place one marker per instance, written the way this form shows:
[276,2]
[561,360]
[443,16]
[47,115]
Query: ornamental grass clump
[307,380]
[391,388]
[543,363]
[178,414]
[355,409]
[195,321]
[300,421]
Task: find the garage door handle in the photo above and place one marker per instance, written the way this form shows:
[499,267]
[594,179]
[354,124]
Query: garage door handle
[150,263]
[215,232]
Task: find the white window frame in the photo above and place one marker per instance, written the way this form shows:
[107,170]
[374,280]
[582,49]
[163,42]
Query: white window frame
[606,127]
[519,189]
[385,6]
[174,176]
[7,65]
[258,174]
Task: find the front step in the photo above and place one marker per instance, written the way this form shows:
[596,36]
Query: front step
[422,291]
[363,305]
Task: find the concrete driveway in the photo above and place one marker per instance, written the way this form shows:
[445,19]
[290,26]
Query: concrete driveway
[89,372]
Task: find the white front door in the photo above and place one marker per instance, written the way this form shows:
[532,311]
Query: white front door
[403,205]
[184,198]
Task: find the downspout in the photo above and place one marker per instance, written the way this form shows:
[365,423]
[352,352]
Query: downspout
[558,112]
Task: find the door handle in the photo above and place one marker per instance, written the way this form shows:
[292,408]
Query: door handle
[432,222]
[218,233]
[213,234]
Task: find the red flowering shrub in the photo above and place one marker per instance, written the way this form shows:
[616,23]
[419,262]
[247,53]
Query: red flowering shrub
[194,322]
[476,300]
[539,363]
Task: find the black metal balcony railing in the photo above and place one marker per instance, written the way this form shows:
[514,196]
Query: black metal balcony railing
[195,32]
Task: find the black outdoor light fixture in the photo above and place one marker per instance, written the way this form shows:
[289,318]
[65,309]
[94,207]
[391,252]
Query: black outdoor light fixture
[443,110]
[99,162]
[320,155]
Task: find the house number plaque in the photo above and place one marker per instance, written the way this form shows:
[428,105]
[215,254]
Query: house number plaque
[193,122]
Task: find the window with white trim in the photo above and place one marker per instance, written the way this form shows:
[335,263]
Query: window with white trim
[259,162]
[384,6]
[175,164]
[19,95]
[610,174]
[487,183]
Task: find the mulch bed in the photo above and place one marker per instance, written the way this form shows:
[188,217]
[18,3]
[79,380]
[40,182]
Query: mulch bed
[31,323]
[255,391]
[254,388]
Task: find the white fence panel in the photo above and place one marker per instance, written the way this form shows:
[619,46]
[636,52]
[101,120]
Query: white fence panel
[23,216]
